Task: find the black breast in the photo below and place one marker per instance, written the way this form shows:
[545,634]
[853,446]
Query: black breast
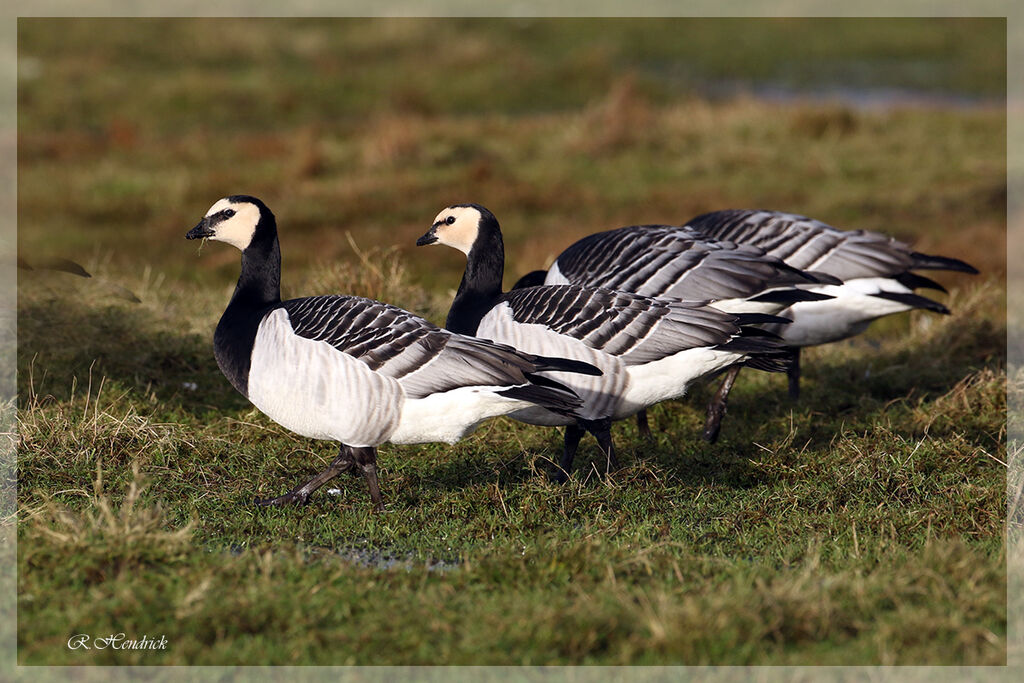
[232,345]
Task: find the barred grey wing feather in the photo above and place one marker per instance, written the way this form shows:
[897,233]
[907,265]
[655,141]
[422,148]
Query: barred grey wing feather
[634,328]
[809,244]
[422,357]
[659,260]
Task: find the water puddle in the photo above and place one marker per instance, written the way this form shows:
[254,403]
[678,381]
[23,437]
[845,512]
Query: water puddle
[370,557]
[866,98]
[384,560]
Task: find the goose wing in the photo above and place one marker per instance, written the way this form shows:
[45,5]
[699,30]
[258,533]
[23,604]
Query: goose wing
[423,358]
[810,244]
[680,262]
[635,328]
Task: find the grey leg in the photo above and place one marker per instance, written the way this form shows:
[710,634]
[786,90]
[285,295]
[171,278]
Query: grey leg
[366,458]
[300,495]
[793,373]
[573,434]
[602,431]
[642,426]
[717,407]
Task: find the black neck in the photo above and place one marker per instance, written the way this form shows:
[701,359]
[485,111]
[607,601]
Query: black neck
[259,284]
[480,288]
[258,290]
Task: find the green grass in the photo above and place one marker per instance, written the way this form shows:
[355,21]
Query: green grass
[862,525]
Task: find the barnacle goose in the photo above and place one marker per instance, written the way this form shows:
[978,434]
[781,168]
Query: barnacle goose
[875,270]
[354,370]
[871,273]
[649,349]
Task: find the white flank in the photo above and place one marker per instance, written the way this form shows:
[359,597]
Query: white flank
[451,415]
[670,377]
[848,314]
[317,391]
[555,277]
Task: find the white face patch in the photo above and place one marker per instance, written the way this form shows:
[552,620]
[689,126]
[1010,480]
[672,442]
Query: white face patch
[461,232]
[238,229]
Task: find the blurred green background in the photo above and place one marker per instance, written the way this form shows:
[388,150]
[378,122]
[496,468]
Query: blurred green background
[130,129]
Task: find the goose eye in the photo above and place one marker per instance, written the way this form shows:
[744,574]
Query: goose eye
[228,213]
[449,220]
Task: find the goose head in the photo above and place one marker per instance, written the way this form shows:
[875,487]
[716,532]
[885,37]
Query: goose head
[461,227]
[238,220]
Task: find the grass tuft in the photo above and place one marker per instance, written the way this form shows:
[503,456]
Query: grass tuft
[127,537]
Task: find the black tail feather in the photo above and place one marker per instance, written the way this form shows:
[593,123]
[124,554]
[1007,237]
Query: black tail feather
[769,363]
[790,296]
[546,393]
[928,262]
[780,360]
[914,300]
[766,350]
[754,345]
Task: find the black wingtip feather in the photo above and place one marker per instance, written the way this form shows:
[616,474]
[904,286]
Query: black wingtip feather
[758,332]
[914,300]
[807,276]
[929,262]
[824,278]
[915,281]
[761,319]
[790,296]
[565,365]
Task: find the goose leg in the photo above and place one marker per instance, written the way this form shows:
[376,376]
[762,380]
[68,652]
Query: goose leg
[642,426]
[573,434]
[366,458]
[717,407]
[602,431]
[793,373]
[342,463]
